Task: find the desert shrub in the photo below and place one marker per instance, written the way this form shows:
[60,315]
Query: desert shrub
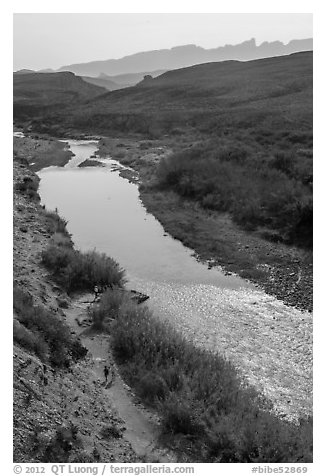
[200,396]
[111,431]
[302,231]
[77,271]
[108,307]
[62,444]
[28,186]
[152,387]
[32,341]
[119,154]
[57,259]
[145,145]
[60,239]
[256,190]
[283,161]
[179,417]
[49,336]
[55,223]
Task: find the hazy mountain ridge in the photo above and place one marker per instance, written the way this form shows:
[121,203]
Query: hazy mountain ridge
[120,81]
[24,71]
[188,55]
[102,82]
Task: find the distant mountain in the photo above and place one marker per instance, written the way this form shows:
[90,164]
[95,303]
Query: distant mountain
[188,55]
[112,83]
[27,71]
[130,79]
[41,91]
[103,82]
[48,70]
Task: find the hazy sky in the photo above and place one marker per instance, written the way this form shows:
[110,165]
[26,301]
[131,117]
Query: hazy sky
[51,40]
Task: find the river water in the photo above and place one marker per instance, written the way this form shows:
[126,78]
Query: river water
[268,342]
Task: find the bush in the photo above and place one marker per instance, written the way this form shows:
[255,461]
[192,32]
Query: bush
[44,333]
[152,387]
[179,417]
[62,444]
[32,341]
[55,224]
[28,186]
[111,431]
[77,271]
[258,191]
[108,308]
[200,396]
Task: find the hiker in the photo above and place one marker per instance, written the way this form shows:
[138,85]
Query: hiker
[96,292]
[106,373]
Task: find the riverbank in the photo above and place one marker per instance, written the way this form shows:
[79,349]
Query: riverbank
[235,454]
[41,151]
[283,271]
[55,415]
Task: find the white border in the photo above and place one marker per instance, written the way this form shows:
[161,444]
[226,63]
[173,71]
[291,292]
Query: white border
[319,152]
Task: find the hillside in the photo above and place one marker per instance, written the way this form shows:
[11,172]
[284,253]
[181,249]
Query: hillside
[272,92]
[187,55]
[32,91]
[25,71]
[243,130]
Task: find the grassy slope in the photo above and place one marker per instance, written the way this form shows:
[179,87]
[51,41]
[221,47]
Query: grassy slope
[38,93]
[52,87]
[276,92]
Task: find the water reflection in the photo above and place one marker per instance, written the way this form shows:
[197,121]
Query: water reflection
[104,212]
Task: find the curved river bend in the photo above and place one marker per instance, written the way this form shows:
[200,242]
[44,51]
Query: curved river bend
[270,343]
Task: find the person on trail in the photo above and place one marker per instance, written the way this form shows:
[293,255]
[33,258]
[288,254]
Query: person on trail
[106,373]
[96,292]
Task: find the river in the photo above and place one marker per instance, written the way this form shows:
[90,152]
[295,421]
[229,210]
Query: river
[270,343]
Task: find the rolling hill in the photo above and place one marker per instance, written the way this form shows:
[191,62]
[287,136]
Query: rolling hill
[45,91]
[242,132]
[276,92]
